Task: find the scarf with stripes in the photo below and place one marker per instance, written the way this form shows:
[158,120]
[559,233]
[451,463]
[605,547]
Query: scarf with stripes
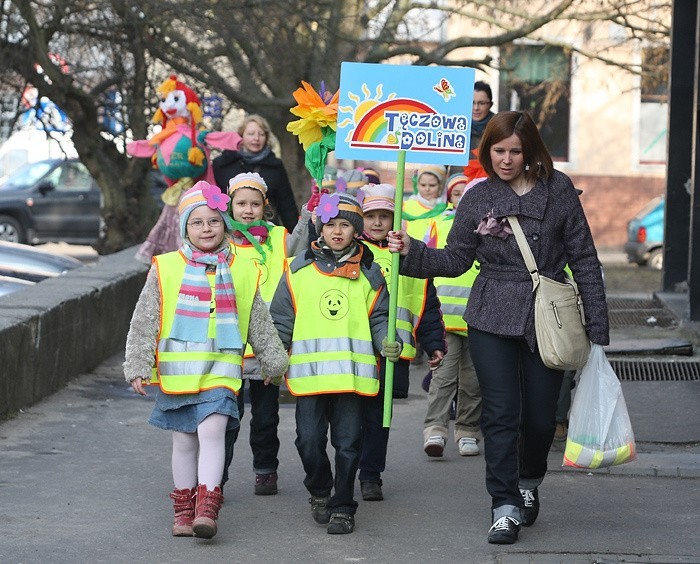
[191,322]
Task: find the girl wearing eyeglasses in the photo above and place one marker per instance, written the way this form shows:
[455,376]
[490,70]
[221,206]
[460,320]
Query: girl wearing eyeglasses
[198,309]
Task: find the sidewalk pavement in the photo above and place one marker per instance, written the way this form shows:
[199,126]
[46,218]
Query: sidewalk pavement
[84,478]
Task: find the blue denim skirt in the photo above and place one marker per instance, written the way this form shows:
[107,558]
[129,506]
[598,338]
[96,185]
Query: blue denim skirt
[184,412]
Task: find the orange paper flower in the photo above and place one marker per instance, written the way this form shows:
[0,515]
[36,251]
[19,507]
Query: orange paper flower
[316,112]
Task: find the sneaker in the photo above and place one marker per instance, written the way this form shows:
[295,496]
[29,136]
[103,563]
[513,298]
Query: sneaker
[319,509]
[504,531]
[341,524]
[266,484]
[560,432]
[468,446]
[531,506]
[371,491]
[435,445]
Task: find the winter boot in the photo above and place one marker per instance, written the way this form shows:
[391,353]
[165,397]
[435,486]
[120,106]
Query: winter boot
[183,503]
[206,511]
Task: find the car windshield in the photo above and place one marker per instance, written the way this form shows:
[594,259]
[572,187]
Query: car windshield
[26,176]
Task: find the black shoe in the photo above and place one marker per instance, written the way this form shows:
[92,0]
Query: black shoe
[504,531]
[341,524]
[371,491]
[319,509]
[531,506]
[266,484]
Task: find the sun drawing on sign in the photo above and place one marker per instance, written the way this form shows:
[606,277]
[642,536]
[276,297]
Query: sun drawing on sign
[362,106]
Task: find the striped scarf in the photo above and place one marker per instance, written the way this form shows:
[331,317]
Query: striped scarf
[191,322]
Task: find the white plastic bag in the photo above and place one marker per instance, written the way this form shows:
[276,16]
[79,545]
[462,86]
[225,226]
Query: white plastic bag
[600,432]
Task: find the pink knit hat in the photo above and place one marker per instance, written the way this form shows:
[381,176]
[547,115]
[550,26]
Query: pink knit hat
[378,197]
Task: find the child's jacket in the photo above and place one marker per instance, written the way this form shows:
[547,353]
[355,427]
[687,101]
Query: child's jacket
[332,315]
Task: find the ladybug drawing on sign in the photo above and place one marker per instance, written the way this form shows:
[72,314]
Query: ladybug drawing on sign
[334,305]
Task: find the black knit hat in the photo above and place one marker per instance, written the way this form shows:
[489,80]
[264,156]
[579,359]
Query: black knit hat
[339,206]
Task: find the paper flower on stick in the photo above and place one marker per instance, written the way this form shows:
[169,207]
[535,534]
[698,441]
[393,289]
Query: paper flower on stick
[328,207]
[318,113]
[317,110]
[216,199]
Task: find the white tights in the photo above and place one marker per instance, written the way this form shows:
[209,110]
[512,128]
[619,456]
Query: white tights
[199,457]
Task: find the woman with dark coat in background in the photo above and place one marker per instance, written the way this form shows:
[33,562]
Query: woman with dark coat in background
[481,113]
[255,155]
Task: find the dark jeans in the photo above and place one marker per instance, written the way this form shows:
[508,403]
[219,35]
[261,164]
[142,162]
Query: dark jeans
[264,419]
[519,395]
[375,437]
[314,414]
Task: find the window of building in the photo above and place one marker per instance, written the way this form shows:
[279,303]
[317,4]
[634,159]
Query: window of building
[537,79]
[653,116]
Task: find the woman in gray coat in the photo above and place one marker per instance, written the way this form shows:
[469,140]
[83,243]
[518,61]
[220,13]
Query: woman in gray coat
[519,392]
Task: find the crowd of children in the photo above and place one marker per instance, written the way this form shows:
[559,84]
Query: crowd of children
[242,298]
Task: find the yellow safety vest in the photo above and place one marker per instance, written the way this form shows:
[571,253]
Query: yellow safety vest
[421,229]
[413,293]
[332,349]
[271,270]
[188,367]
[453,293]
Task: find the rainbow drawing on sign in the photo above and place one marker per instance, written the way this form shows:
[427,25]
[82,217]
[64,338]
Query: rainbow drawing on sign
[424,112]
[373,129]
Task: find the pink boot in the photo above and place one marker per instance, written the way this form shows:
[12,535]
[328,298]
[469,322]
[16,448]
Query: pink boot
[207,511]
[183,503]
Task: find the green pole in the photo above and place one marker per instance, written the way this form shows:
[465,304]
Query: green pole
[394,290]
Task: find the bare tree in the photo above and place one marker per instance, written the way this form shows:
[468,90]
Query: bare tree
[255,53]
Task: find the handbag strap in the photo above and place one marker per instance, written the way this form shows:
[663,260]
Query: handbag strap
[525,250]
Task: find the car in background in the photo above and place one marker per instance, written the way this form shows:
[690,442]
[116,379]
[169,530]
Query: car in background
[28,264]
[645,235]
[55,200]
[8,284]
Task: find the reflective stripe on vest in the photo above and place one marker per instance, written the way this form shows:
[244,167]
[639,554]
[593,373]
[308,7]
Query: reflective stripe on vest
[412,297]
[187,367]
[271,270]
[332,350]
[453,293]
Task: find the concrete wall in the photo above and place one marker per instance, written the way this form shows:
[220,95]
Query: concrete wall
[64,327]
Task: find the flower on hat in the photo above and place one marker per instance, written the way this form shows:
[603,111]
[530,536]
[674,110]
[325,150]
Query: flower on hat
[215,198]
[327,207]
[316,110]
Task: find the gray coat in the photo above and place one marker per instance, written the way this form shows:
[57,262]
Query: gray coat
[501,300]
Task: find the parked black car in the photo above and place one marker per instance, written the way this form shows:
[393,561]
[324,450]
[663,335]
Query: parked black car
[54,200]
